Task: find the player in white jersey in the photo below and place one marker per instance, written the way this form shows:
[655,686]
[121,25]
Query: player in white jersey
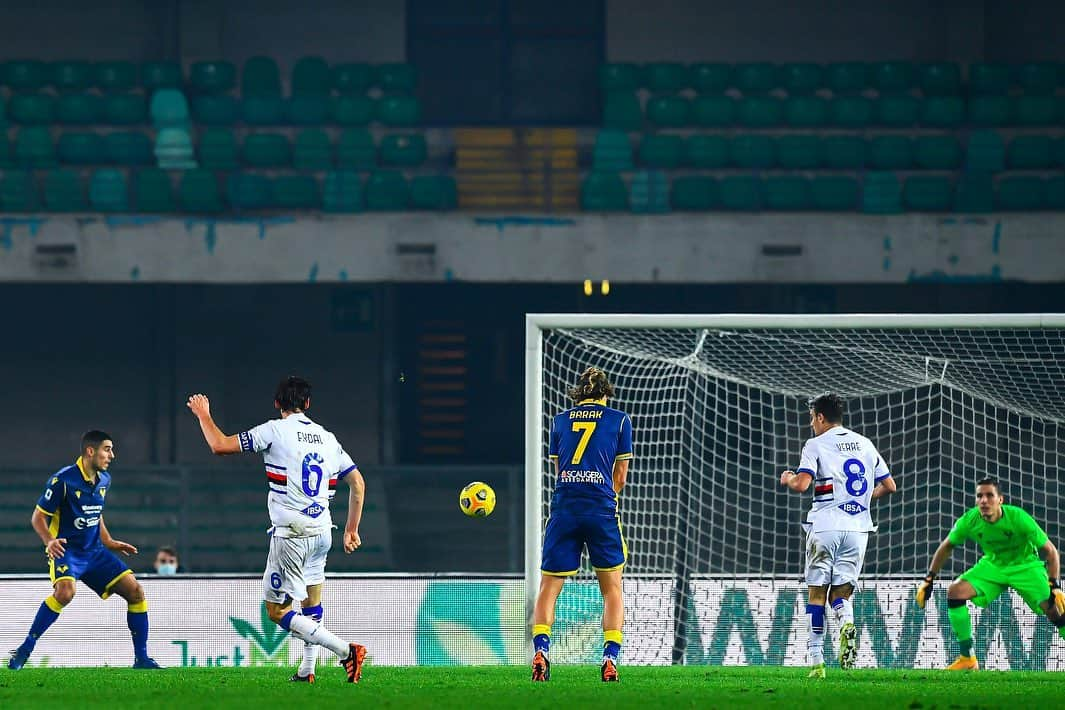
[847,472]
[304,462]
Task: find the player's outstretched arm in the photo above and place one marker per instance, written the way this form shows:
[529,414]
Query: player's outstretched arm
[112,544]
[221,444]
[356,496]
[885,487]
[797,482]
[939,558]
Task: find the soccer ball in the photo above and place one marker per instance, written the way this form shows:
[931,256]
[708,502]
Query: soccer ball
[477,500]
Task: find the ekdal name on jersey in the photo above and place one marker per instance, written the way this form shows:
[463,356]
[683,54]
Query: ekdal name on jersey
[308,438]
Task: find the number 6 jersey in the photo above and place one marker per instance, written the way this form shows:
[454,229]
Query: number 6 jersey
[845,467]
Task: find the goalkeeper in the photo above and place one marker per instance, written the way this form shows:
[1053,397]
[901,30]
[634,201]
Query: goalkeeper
[1014,548]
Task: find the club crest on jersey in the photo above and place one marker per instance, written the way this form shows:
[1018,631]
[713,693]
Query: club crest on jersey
[852,507]
[313,510]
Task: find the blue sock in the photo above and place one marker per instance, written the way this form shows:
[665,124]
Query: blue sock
[137,621]
[46,616]
[315,612]
[541,638]
[611,649]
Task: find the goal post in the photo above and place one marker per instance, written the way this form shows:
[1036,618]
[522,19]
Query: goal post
[718,410]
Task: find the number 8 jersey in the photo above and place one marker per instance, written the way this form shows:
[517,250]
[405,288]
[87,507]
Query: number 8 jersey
[845,467]
[304,463]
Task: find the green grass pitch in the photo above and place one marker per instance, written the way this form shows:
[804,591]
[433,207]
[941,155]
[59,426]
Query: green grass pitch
[571,687]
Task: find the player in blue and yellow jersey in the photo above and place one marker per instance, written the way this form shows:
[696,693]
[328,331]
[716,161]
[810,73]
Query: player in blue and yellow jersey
[69,519]
[591,446]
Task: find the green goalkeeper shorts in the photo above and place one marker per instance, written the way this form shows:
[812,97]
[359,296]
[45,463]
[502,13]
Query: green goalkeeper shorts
[990,580]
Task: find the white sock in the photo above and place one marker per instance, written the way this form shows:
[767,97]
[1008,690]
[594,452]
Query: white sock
[310,650]
[844,611]
[815,644]
[309,630]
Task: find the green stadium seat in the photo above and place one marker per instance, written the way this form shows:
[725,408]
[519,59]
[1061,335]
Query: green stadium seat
[940,79]
[1027,152]
[891,153]
[308,110]
[619,77]
[342,192]
[802,78]
[799,152]
[882,193]
[23,75]
[198,192]
[694,193]
[711,78]
[398,78]
[1059,152]
[352,78]
[78,109]
[850,111]
[832,193]
[312,150]
[612,151]
[986,152]
[755,78]
[128,148]
[124,109]
[260,78]
[937,152]
[71,76]
[787,192]
[160,75]
[989,79]
[31,109]
[897,110]
[661,150]
[741,193]
[81,149]
[297,192]
[218,149]
[892,77]
[249,191]
[108,191]
[262,110]
[267,150]
[7,161]
[34,148]
[433,192]
[604,191]
[3,115]
[844,152]
[114,77]
[213,77]
[216,109]
[311,77]
[760,111]
[1025,193]
[399,111]
[406,150]
[1055,190]
[752,151]
[847,77]
[1038,78]
[990,110]
[649,193]
[943,111]
[928,193]
[18,192]
[713,111]
[356,150]
[63,192]
[168,107]
[666,77]
[806,111]
[974,192]
[173,149]
[352,110]
[668,111]
[387,190]
[153,191]
[621,111]
[1036,110]
[708,152]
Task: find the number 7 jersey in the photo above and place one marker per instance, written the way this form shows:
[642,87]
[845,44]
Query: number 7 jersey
[845,467]
[586,441]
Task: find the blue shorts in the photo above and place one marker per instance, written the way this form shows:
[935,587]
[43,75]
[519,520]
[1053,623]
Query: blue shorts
[99,568]
[567,535]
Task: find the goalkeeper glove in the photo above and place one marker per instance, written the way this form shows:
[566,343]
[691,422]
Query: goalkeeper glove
[1057,597]
[924,590]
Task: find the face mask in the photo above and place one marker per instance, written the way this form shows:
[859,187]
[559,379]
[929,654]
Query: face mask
[167,568]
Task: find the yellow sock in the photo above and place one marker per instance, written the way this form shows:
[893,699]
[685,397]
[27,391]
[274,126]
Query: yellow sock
[612,644]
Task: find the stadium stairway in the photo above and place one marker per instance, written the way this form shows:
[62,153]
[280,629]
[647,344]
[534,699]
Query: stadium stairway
[504,168]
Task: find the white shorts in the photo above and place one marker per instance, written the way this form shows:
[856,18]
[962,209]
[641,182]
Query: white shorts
[295,563]
[834,557]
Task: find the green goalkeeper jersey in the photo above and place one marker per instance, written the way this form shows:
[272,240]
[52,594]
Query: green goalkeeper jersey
[1013,539]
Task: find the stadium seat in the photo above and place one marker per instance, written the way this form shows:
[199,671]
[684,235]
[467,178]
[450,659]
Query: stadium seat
[1021,193]
[433,192]
[114,77]
[661,150]
[612,151]
[249,191]
[308,109]
[1055,192]
[708,152]
[71,75]
[941,152]
[940,79]
[63,192]
[787,192]
[974,193]
[212,77]
[892,77]
[169,108]
[986,152]
[297,192]
[711,78]
[989,79]
[7,161]
[387,190]
[1027,152]
[694,193]
[897,110]
[154,192]
[833,193]
[668,111]
[34,148]
[78,109]
[352,110]
[311,77]
[806,111]
[847,77]
[882,193]
[760,111]
[755,78]
[26,75]
[198,192]
[649,192]
[342,192]
[844,152]
[928,193]
[1035,110]
[741,193]
[81,149]
[890,153]
[173,149]
[312,150]
[128,148]
[1038,78]
[3,115]
[619,77]
[31,109]
[407,150]
[356,150]
[713,111]
[160,75]
[216,109]
[399,111]
[1059,152]
[802,78]
[665,77]
[397,78]
[108,191]
[990,110]
[943,111]
[218,149]
[621,111]
[262,110]
[267,150]
[124,109]
[260,77]
[752,151]
[850,111]
[352,78]
[18,192]
[604,191]
[799,152]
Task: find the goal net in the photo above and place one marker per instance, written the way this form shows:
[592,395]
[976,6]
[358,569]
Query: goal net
[718,406]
